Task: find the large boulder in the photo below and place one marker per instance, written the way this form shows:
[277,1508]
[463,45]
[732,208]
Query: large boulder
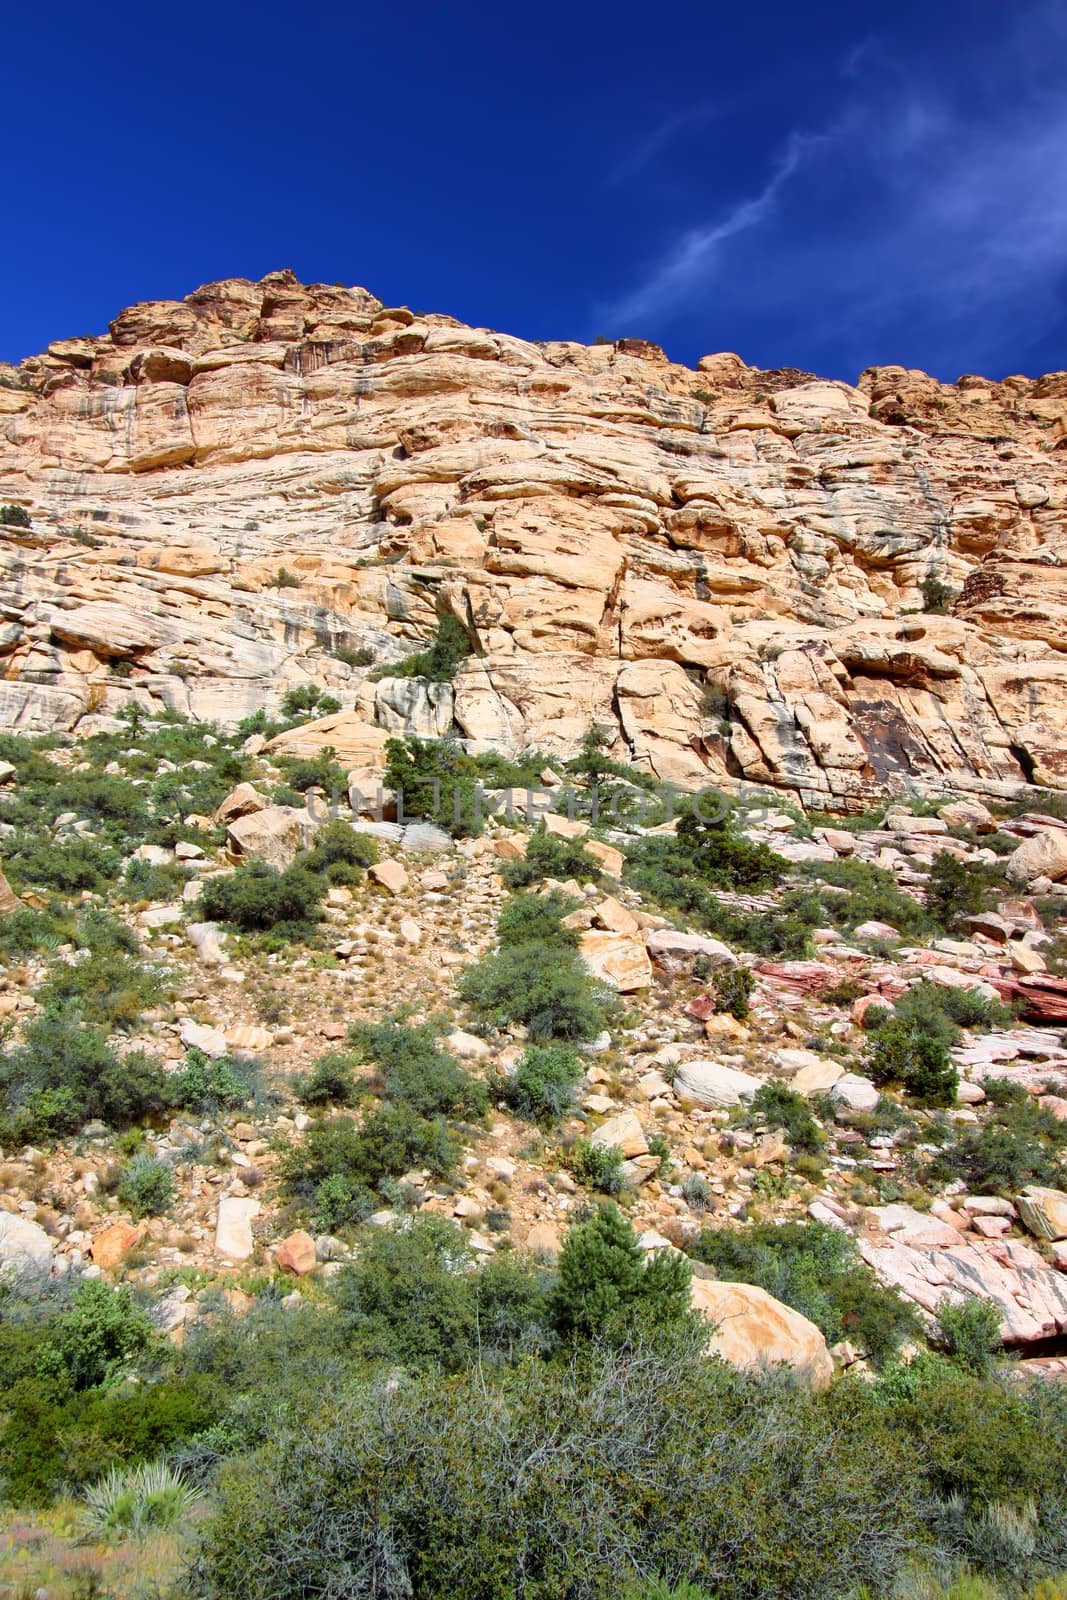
[25,1249]
[622,1132]
[1043,855]
[711,1083]
[233,1228]
[618,959]
[753,1330]
[354,741]
[273,835]
[1044,1211]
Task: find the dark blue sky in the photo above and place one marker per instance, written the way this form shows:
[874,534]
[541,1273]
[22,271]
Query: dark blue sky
[823,186]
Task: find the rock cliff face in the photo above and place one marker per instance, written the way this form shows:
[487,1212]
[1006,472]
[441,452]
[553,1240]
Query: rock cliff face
[722,565]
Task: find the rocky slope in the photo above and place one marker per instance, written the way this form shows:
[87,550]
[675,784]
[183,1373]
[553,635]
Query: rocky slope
[722,565]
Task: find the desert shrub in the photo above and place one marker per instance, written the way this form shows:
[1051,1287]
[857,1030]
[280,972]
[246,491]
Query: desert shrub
[549,856]
[319,771]
[93,1342]
[439,661]
[14,517]
[938,596]
[569,1479]
[65,1073]
[664,875]
[109,987]
[873,896]
[437,781]
[413,1297]
[1001,1158]
[942,1012]
[416,1072]
[331,1080]
[954,890]
[786,1109]
[817,1270]
[522,771]
[723,857]
[597,1165]
[536,917]
[308,699]
[206,1086]
[340,853]
[146,1187]
[541,1089]
[340,1165]
[539,985]
[969,1333]
[258,897]
[606,1282]
[732,988]
[901,1052]
[139,1500]
[284,579]
[69,865]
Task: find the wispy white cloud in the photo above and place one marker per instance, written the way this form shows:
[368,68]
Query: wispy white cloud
[927,215]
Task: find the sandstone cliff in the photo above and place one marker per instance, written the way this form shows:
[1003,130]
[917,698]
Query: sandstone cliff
[723,565]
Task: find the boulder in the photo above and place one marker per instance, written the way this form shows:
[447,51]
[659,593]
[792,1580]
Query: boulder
[112,1244]
[296,1254]
[611,915]
[273,835]
[240,802]
[25,1249]
[354,741]
[201,1036]
[1043,1211]
[233,1228]
[610,859]
[710,1083]
[818,1077]
[852,1092]
[669,944]
[624,1132]
[618,959]
[755,1331]
[1043,855]
[389,875]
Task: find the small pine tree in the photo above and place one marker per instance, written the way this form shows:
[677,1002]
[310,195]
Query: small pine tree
[605,1283]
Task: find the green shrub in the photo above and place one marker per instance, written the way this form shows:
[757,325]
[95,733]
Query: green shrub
[69,865]
[331,1081]
[969,1333]
[567,1479]
[284,579]
[901,1052]
[258,897]
[817,1270]
[596,1165]
[549,856]
[207,1086]
[785,1108]
[390,1142]
[416,1072]
[665,875]
[536,917]
[541,1089]
[65,1073]
[95,1339]
[954,890]
[307,699]
[340,853]
[540,985]
[439,661]
[14,517]
[146,1187]
[437,781]
[606,1283]
[109,987]
[938,596]
[724,858]
[1002,1159]
[873,896]
[732,987]
[407,1298]
[319,771]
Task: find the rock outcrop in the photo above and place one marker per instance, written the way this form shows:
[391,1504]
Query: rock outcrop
[267,484]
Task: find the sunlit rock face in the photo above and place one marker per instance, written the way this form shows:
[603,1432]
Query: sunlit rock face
[269,484]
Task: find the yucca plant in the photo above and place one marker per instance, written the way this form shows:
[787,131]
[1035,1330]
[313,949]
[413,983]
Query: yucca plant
[140,1499]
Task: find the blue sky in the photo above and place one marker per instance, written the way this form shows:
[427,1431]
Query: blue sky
[823,186]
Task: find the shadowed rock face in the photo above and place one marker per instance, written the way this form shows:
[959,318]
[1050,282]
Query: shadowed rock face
[722,565]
